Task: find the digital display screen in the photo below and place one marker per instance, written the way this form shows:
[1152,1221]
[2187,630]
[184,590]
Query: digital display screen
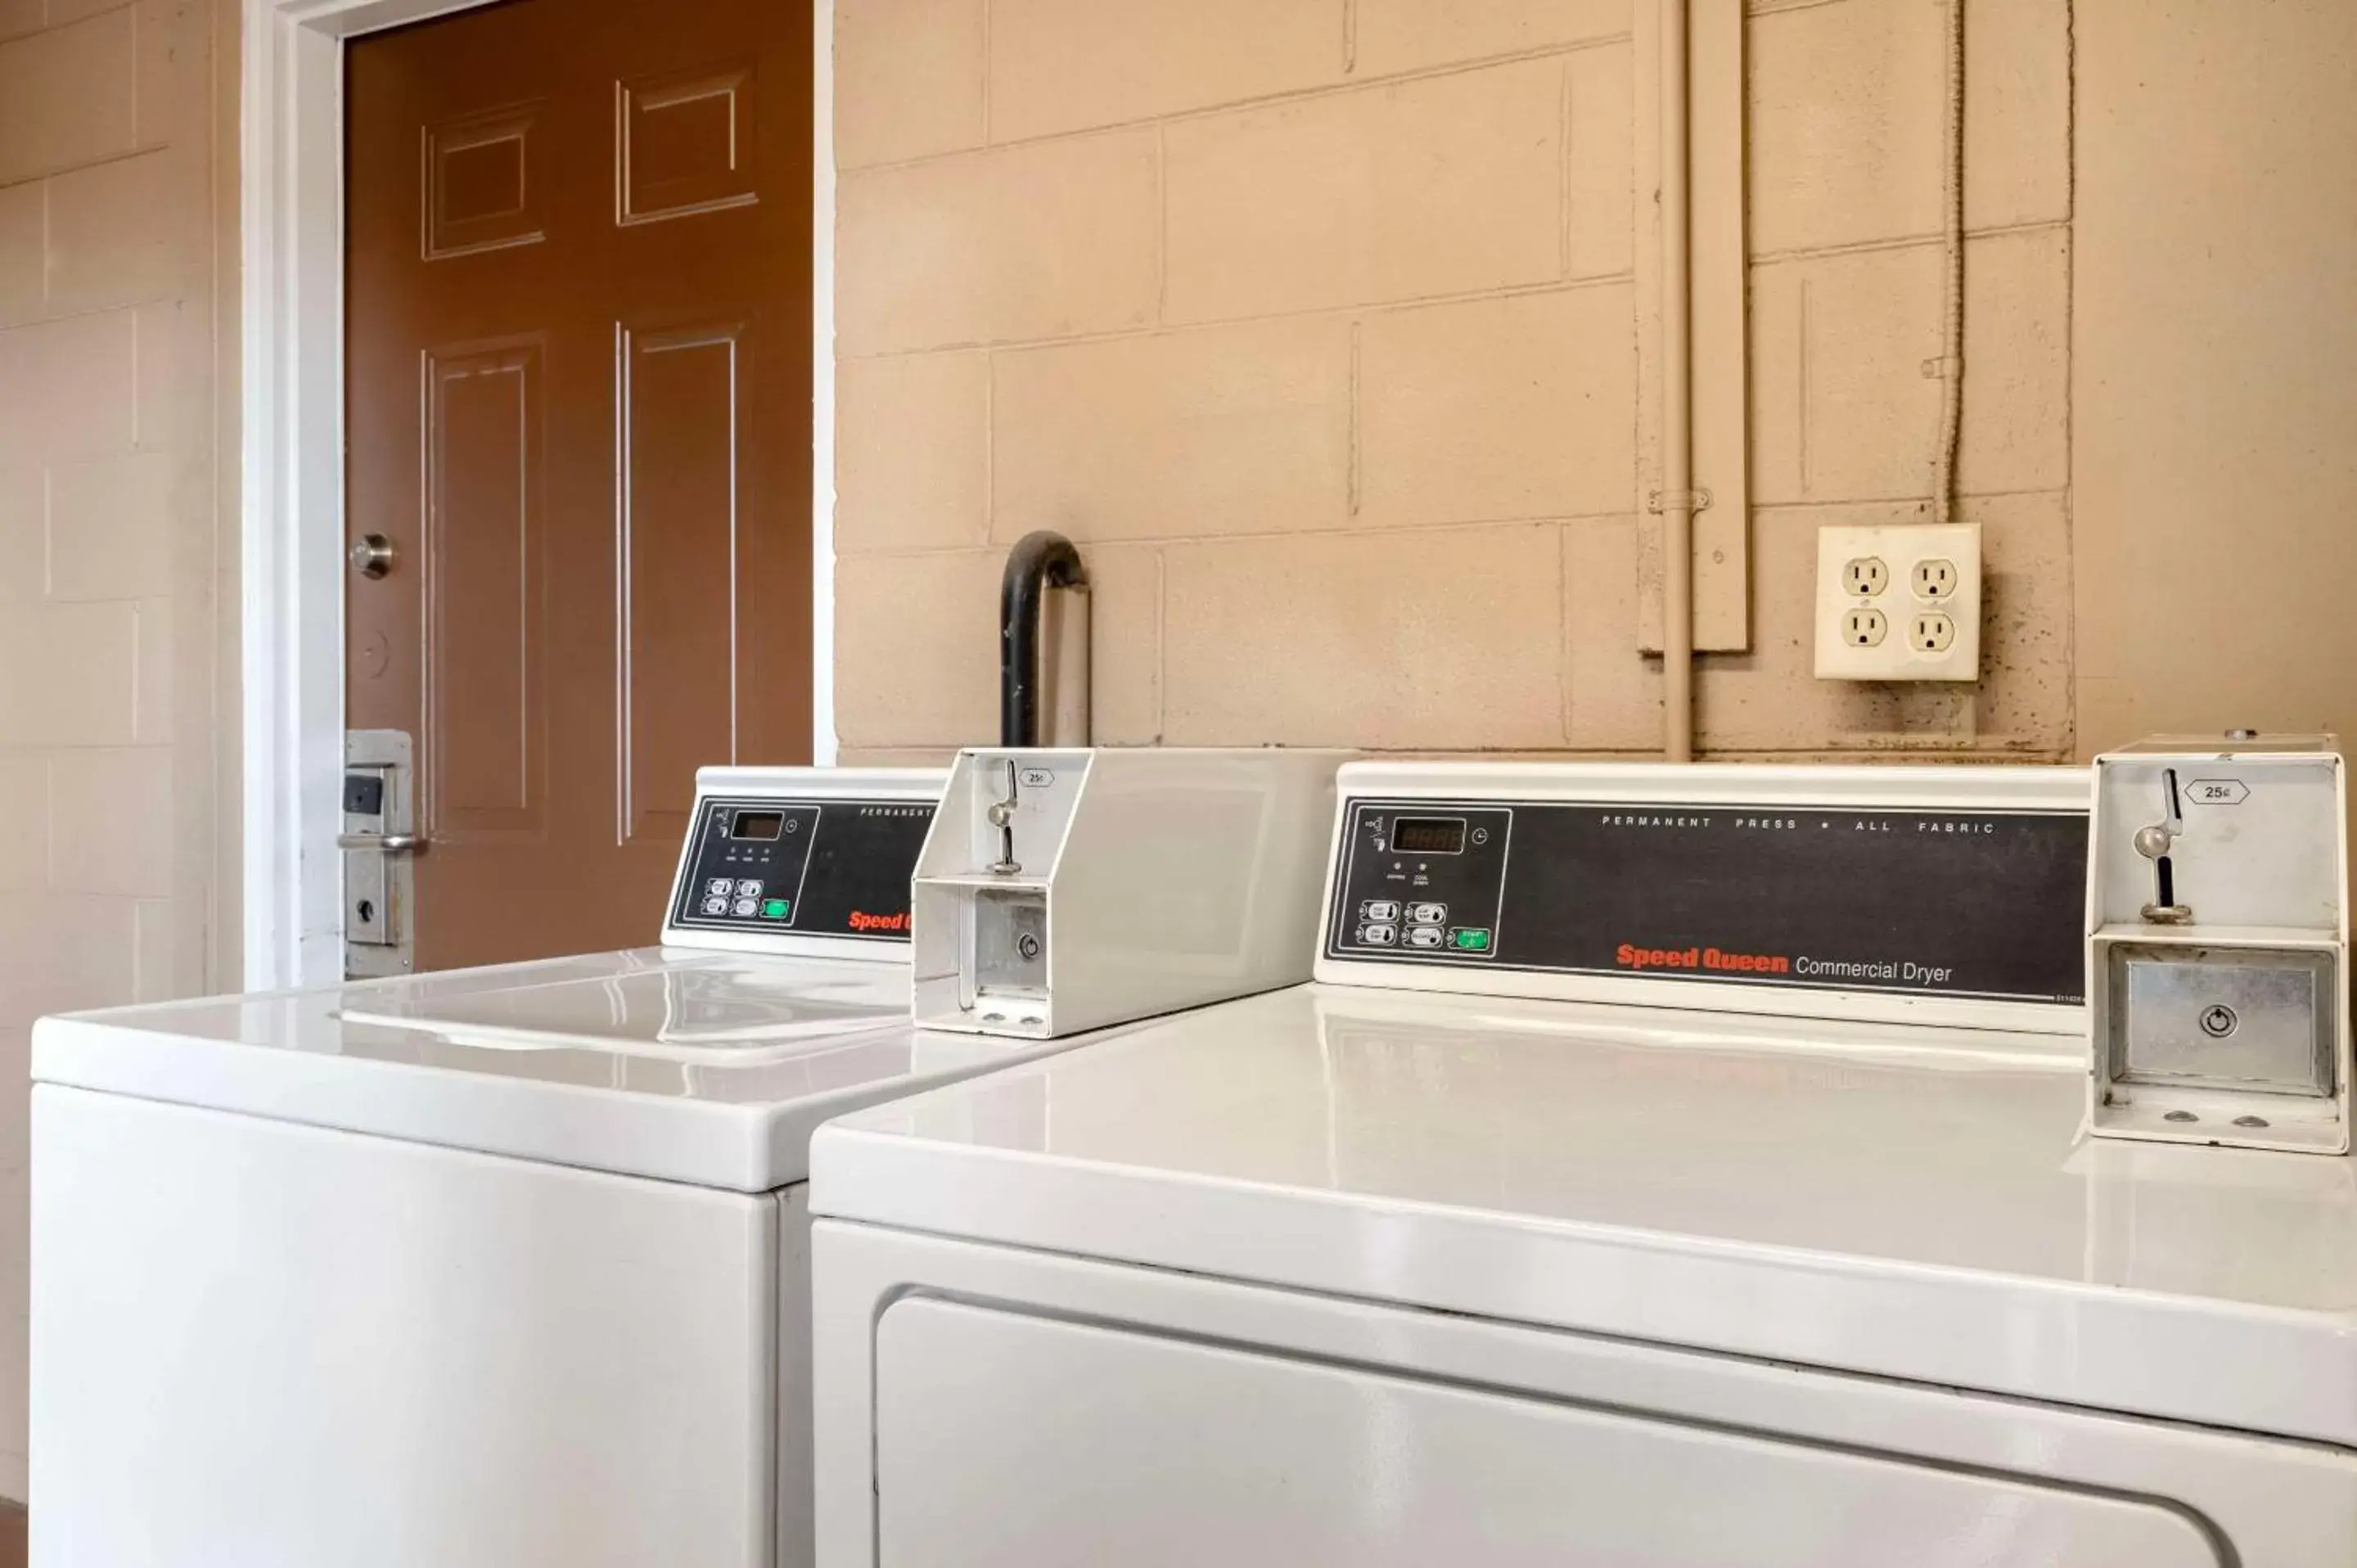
[1428,835]
[762,825]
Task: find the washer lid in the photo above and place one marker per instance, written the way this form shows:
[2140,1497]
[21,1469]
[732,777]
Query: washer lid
[1902,1201]
[695,1067]
[714,1009]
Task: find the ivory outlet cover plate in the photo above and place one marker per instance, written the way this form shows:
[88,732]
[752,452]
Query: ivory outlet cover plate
[1900,602]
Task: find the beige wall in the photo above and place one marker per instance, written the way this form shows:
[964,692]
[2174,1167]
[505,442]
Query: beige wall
[1313,323]
[116,544]
[2215,366]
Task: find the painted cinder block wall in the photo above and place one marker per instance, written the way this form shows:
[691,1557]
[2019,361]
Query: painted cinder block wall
[1313,322]
[117,388]
[2214,367]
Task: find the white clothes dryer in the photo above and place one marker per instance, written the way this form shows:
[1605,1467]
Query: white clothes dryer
[509,1266]
[1704,1188]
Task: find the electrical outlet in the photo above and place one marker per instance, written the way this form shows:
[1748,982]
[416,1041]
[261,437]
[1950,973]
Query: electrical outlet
[1930,631]
[1865,576]
[1864,627]
[1900,602]
[1934,578]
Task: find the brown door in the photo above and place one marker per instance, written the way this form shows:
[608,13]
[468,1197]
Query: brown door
[578,407]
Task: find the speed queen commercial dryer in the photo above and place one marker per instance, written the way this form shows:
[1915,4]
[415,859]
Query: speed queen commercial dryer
[1668,1167]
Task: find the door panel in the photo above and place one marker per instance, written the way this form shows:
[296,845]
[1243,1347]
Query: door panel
[577,395]
[486,720]
[481,189]
[1003,1437]
[680,134]
[679,555]
[2263,1503]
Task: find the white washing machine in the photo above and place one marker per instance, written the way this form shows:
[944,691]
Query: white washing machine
[509,1266]
[1704,1187]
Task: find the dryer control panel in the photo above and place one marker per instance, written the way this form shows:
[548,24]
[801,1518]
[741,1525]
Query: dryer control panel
[1618,882]
[789,858]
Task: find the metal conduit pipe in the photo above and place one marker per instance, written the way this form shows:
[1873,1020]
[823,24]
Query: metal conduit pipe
[1038,561]
[1951,351]
[1677,402]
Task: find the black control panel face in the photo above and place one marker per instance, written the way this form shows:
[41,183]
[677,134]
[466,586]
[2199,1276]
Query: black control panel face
[1979,904]
[830,868]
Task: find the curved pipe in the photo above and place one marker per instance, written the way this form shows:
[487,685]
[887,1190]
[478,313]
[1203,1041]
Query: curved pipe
[1038,561]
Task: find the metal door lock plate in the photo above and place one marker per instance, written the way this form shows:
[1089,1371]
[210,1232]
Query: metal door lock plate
[2242,1018]
[379,842]
[1010,944]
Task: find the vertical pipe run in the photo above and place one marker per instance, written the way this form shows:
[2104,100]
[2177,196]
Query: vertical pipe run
[1038,561]
[1951,351]
[1677,401]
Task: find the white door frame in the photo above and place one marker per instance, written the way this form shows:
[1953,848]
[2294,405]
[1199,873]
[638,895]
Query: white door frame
[291,534]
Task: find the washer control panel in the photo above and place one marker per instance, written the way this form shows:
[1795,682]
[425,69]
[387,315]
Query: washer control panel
[833,868]
[1428,884]
[1969,903]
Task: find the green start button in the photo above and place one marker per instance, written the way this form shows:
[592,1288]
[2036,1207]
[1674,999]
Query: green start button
[775,909]
[1475,939]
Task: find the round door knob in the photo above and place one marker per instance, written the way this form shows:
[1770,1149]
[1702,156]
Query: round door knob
[373,555]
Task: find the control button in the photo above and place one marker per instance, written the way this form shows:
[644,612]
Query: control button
[745,907]
[720,888]
[1382,934]
[716,906]
[1470,939]
[748,889]
[1423,936]
[1427,914]
[1379,910]
[774,908]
